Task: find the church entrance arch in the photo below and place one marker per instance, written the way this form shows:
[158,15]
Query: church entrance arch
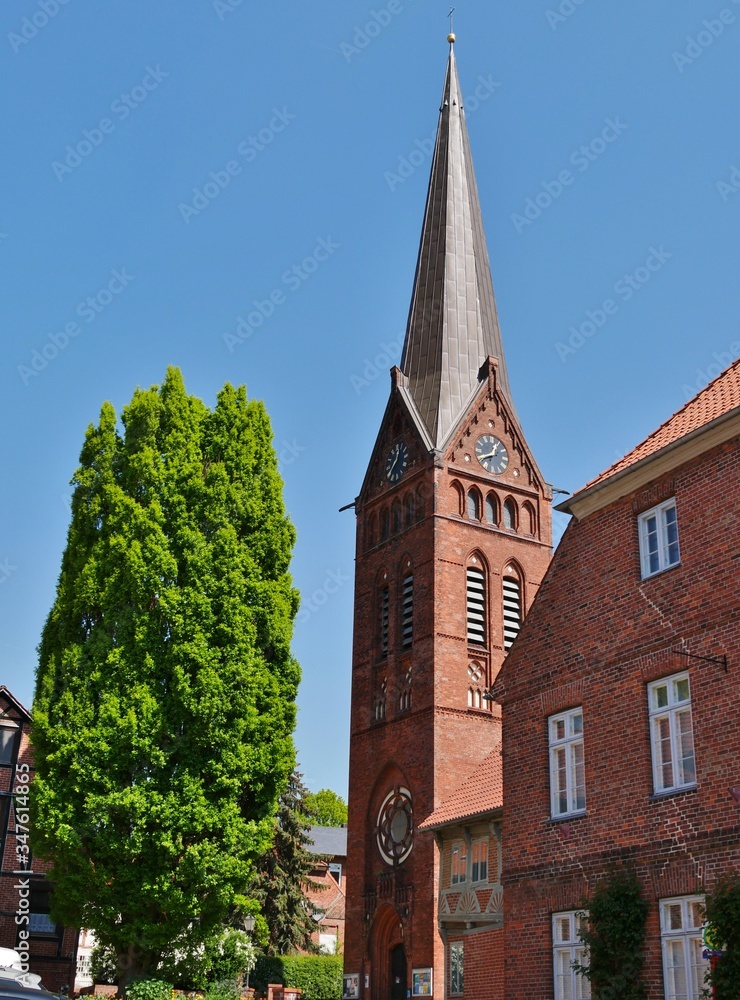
[388,956]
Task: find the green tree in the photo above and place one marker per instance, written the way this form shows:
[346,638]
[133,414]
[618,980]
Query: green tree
[165,692]
[284,874]
[326,808]
[722,912]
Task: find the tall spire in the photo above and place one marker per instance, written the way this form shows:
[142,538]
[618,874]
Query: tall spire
[453,323]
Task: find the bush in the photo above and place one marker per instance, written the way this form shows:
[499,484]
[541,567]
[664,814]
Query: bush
[318,976]
[147,988]
[226,989]
[722,911]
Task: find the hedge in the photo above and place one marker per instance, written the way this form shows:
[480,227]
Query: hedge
[318,976]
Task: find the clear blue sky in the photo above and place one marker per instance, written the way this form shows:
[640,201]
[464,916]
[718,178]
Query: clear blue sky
[305,121]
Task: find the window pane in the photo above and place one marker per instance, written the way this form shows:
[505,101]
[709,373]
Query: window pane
[561,779]
[699,966]
[660,696]
[564,975]
[562,929]
[7,744]
[671,531]
[681,689]
[676,970]
[558,729]
[674,917]
[687,767]
[662,742]
[576,723]
[578,777]
[490,510]
[696,914]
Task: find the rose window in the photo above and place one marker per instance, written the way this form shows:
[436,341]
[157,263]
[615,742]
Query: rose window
[396,826]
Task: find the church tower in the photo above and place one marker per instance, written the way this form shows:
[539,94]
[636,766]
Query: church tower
[453,538]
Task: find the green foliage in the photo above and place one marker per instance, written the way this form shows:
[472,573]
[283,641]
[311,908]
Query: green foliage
[225,989]
[284,873]
[617,915]
[147,988]
[165,694]
[103,965]
[722,911]
[326,808]
[318,976]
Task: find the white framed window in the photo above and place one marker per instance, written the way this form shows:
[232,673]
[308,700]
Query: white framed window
[567,764]
[459,863]
[568,948]
[457,952]
[684,968]
[335,870]
[671,733]
[658,534]
[479,861]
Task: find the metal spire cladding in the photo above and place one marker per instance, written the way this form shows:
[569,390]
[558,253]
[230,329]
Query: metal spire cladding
[453,324]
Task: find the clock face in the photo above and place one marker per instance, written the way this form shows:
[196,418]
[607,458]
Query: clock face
[492,454]
[397,462]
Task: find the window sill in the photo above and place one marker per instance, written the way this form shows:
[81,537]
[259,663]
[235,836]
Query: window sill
[660,572]
[567,817]
[668,792]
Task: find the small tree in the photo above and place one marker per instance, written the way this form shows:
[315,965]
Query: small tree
[615,937]
[326,808]
[722,911]
[165,694]
[284,874]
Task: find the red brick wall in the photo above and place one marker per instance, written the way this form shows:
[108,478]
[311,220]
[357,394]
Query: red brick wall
[437,743]
[483,966]
[596,637]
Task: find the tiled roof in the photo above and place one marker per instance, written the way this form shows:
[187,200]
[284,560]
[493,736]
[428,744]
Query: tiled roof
[718,398]
[483,792]
[330,841]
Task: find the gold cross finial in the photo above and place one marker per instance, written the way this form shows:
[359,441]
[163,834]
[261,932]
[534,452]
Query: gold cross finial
[451,37]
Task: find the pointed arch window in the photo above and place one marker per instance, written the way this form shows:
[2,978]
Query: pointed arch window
[458,499]
[491,509]
[476,606]
[474,505]
[384,524]
[407,612]
[410,504]
[529,519]
[512,608]
[396,518]
[510,515]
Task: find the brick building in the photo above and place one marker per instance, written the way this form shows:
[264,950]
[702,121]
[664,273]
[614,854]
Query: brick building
[468,831]
[453,539]
[329,843]
[25,893]
[620,706]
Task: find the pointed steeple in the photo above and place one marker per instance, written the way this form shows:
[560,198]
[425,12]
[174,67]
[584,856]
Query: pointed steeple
[453,324]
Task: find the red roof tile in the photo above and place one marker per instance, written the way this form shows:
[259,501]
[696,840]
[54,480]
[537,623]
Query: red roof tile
[481,793]
[718,398]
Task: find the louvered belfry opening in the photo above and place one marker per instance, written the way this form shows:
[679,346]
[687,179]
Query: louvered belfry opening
[512,610]
[476,606]
[407,612]
[384,615]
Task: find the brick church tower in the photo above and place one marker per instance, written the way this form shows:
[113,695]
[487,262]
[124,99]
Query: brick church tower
[453,538]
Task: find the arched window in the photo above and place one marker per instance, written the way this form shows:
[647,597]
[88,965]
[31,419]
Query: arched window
[491,509]
[396,518]
[458,498]
[419,505]
[384,524]
[474,505]
[510,515]
[512,607]
[476,606]
[410,504]
[407,612]
[529,519]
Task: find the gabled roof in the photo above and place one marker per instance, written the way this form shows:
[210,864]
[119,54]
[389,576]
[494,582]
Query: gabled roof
[4,691]
[714,406]
[328,840]
[453,323]
[482,793]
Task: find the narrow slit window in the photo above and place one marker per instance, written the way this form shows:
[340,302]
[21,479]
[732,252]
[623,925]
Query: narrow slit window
[510,515]
[476,606]
[473,505]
